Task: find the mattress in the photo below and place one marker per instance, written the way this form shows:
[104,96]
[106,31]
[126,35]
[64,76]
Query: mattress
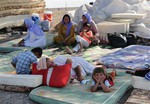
[81,94]
[141,83]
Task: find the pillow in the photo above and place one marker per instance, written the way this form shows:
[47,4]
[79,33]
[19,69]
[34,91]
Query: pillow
[60,75]
[147,76]
[57,76]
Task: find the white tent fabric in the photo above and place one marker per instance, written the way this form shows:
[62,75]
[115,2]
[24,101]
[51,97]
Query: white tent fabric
[103,9]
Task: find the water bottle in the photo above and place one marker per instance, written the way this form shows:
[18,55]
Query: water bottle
[85,81]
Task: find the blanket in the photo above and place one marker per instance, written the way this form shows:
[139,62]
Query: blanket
[132,57]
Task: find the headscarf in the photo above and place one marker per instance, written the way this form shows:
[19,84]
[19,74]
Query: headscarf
[69,25]
[42,63]
[35,17]
[33,27]
[88,17]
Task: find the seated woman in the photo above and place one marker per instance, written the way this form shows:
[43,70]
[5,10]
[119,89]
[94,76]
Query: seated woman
[35,36]
[83,40]
[66,34]
[86,18]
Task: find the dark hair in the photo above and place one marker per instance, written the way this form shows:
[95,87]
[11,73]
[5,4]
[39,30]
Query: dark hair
[37,49]
[98,70]
[86,25]
[66,15]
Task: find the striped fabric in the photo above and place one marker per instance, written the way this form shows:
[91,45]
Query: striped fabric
[147,76]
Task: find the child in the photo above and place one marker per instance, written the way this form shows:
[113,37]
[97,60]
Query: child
[101,80]
[23,60]
[83,40]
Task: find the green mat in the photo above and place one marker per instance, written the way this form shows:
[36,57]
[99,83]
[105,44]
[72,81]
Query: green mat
[80,94]
[49,41]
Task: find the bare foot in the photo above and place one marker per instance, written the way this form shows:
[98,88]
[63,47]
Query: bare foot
[81,50]
[114,70]
[68,50]
[80,78]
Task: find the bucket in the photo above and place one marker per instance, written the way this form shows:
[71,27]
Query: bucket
[48,15]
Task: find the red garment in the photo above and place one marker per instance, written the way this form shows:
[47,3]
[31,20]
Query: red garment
[89,33]
[59,75]
[42,72]
[110,81]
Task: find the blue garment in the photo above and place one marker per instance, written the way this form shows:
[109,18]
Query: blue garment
[88,17]
[147,76]
[69,25]
[23,62]
[33,27]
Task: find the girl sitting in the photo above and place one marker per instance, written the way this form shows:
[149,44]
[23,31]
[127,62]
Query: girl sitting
[83,40]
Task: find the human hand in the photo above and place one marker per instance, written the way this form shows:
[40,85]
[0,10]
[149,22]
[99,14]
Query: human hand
[102,78]
[96,79]
[52,64]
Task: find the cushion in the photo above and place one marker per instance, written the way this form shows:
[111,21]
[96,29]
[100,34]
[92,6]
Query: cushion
[57,76]
[60,76]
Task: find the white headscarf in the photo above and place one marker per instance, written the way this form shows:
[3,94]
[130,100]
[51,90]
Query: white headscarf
[42,63]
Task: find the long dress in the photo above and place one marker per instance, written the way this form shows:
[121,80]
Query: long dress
[35,36]
[32,40]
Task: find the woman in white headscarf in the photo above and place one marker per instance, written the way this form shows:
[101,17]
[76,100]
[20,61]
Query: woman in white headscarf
[35,36]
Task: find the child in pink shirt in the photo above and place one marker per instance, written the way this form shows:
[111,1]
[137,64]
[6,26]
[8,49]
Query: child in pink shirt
[84,39]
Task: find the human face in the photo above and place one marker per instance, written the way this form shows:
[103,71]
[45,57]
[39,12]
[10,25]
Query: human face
[86,28]
[66,20]
[100,76]
[37,54]
[84,19]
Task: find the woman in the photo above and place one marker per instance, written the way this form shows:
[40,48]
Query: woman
[35,36]
[86,18]
[66,34]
